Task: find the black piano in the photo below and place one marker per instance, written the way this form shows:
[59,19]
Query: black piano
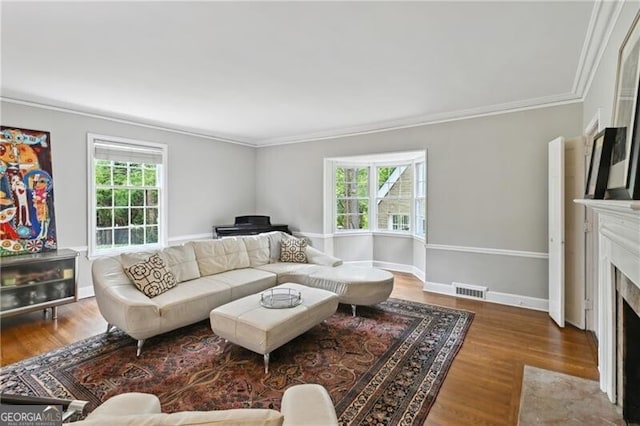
[248,225]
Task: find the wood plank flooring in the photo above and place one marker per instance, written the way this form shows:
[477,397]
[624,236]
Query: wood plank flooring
[482,387]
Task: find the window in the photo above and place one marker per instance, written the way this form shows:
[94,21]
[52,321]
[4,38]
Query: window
[398,222]
[420,199]
[379,193]
[394,197]
[352,197]
[127,195]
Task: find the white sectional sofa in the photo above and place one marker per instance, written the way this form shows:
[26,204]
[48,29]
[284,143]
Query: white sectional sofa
[210,273]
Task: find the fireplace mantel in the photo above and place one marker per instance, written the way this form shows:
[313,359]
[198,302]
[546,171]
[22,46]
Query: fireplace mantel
[618,249]
[613,206]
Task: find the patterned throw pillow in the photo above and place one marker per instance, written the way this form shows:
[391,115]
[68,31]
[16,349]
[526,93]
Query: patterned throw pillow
[151,276]
[293,250]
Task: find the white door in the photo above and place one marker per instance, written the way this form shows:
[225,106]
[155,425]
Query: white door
[556,230]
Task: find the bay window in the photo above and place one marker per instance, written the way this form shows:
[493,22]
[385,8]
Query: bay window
[380,193]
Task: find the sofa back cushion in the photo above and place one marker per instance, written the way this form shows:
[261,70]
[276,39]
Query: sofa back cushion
[181,260]
[236,417]
[258,249]
[216,256]
[275,240]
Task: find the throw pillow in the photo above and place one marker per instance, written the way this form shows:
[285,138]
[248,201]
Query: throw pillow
[293,250]
[151,276]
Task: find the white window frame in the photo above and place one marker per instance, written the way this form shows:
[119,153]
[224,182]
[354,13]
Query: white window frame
[419,197]
[377,199]
[349,165]
[399,218]
[94,139]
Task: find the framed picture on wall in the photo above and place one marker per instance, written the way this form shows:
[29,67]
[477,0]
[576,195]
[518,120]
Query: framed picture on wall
[600,162]
[27,216]
[623,181]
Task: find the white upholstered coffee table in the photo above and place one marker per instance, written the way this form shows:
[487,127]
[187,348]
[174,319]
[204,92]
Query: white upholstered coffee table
[355,285]
[247,323]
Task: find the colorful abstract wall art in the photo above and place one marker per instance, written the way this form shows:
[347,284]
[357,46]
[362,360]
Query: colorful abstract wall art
[27,217]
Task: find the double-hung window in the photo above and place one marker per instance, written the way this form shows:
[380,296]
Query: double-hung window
[352,197]
[394,197]
[127,195]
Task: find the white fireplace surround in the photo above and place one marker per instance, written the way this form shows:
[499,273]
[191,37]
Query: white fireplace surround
[618,248]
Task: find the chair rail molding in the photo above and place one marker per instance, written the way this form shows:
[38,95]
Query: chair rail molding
[486,250]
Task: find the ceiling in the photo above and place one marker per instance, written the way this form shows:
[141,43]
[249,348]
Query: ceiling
[265,73]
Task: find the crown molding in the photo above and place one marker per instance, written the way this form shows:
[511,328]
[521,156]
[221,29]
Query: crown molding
[132,121]
[405,123]
[498,109]
[604,17]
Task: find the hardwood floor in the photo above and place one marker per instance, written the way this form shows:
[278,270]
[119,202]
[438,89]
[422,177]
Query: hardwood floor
[483,384]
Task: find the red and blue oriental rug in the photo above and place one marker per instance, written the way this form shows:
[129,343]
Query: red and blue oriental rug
[384,366]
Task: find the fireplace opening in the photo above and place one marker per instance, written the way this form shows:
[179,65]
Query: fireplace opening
[631,365]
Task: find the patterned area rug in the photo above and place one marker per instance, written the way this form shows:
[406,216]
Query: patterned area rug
[384,366]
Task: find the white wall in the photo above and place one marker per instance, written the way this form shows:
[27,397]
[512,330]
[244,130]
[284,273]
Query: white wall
[209,181]
[486,188]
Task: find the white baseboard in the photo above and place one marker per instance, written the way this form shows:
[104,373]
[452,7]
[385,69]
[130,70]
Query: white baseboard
[419,274]
[367,263]
[578,325]
[520,301]
[85,292]
[439,288]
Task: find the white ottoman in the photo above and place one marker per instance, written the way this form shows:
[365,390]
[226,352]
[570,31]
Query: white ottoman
[248,324]
[355,285]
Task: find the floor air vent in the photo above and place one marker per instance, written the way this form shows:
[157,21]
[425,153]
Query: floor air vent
[470,291]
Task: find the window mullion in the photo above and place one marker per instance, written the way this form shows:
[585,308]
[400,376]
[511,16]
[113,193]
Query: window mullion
[373,195]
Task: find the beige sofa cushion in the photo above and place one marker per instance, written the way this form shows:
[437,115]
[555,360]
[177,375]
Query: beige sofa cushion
[192,300]
[275,238]
[128,403]
[235,417]
[243,282]
[128,259]
[290,272]
[258,249]
[239,416]
[215,256]
[308,404]
[182,262]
